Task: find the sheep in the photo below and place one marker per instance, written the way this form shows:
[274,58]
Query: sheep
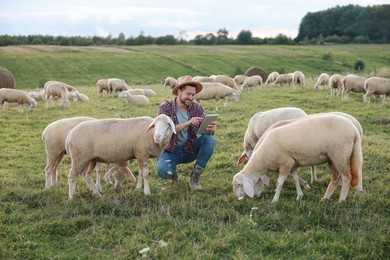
[214,90]
[16,96]
[272,77]
[56,89]
[283,79]
[201,79]
[102,85]
[83,98]
[37,95]
[323,80]
[116,140]
[137,91]
[252,81]
[335,84]
[134,99]
[226,80]
[305,142]
[120,172]
[376,86]
[116,85]
[170,81]
[240,79]
[352,83]
[298,79]
[149,92]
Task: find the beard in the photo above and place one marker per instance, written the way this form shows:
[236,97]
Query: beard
[185,102]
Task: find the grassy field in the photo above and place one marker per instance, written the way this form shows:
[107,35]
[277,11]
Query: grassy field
[175,223]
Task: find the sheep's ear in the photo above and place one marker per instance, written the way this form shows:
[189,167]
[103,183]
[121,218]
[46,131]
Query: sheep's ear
[248,187]
[265,180]
[150,126]
[242,159]
[173,126]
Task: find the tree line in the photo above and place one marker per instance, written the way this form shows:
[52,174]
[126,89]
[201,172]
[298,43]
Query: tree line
[346,24]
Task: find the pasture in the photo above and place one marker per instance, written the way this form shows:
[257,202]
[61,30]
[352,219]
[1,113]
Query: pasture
[173,222]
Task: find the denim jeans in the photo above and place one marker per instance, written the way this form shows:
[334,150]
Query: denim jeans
[203,147]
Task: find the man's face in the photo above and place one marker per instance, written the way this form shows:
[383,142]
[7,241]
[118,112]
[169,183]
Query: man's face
[186,94]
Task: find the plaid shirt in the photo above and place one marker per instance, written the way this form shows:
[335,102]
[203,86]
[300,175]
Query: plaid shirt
[169,108]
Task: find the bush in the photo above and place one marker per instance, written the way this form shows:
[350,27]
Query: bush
[359,65]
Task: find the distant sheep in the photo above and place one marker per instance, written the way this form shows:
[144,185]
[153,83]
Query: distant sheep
[201,79]
[37,95]
[323,80]
[130,138]
[83,98]
[283,80]
[116,85]
[377,86]
[226,80]
[298,79]
[305,142]
[134,99]
[352,83]
[16,96]
[252,82]
[272,77]
[240,79]
[335,84]
[102,85]
[214,90]
[55,89]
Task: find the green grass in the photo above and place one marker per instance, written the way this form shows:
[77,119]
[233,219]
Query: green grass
[211,224]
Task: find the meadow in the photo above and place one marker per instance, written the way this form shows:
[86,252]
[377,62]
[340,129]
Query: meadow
[173,222]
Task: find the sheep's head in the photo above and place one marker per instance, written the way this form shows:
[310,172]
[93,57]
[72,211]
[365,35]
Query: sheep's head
[236,96]
[164,128]
[33,104]
[244,185]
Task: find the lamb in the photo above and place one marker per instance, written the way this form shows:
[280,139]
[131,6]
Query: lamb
[305,142]
[272,77]
[240,79]
[335,84]
[323,80]
[376,86]
[134,99]
[114,141]
[298,79]
[214,90]
[16,96]
[170,81]
[283,79]
[116,85]
[56,89]
[253,82]
[54,136]
[102,85]
[352,83]
[226,80]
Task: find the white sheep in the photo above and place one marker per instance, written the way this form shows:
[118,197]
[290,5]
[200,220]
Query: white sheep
[307,141]
[170,81]
[376,86]
[298,79]
[149,92]
[114,141]
[201,79]
[226,80]
[120,172]
[323,80]
[102,85]
[83,98]
[37,95]
[272,77]
[16,96]
[116,85]
[352,83]
[55,89]
[283,79]
[240,79]
[335,84]
[134,99]
[252,82]
[214,90]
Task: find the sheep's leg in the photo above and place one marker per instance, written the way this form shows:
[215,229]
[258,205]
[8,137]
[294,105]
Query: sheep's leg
[88,179]
[282,177]
[51,169]
[216,108]
[333,183]
[303,183]
[345,185]
[98,169]
[225,102]
[297,184]
[20,109]
[313,174]
[145,174]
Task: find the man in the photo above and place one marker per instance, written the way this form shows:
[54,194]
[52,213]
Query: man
[185,146]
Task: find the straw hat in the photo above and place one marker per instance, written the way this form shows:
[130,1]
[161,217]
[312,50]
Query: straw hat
[187,80]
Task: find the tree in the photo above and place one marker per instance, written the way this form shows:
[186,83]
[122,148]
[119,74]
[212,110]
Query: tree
[222,36]
[121,39]
[244,37]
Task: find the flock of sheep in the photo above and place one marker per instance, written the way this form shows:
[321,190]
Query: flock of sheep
[280,140]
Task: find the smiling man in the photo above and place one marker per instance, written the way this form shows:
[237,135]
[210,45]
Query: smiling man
[185,146]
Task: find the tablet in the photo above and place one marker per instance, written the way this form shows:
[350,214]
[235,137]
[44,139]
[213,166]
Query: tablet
[206,121]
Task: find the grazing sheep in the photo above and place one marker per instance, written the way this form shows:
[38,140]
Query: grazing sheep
[283,80]
[298,79]
[102,85]
[170,81]
[214,90]
[240,79]
[7,80]
[335,84]
[376,86]
[55,89]
[226,80]
[305,142]
[201,79]
[16,96]
[149,92]
[272,77]
[114,141]
[116,85]
[134,99]
[252,81]
[352,83]
[120,172]
[323,80]
[136,91]
[37,95]
[83,98]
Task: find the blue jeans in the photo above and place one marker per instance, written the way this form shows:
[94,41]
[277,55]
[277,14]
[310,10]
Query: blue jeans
[203,147]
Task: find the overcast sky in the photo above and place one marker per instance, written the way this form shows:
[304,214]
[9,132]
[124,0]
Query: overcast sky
[159,18]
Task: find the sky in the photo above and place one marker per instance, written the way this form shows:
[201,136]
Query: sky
[180,18]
